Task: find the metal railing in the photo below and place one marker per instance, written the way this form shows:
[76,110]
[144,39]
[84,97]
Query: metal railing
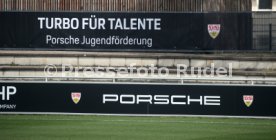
[144,80]
[264,31]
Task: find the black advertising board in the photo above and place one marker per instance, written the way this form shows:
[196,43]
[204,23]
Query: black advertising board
[125,31]
[106,98]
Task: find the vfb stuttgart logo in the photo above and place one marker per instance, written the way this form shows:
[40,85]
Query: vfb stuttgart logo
[214,30]
[76,96]
[248,100]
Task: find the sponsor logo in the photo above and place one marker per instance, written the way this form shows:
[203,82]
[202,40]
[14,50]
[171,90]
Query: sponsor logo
[214,30]
[248,100]
[161,99]
[76,96]
[7,92]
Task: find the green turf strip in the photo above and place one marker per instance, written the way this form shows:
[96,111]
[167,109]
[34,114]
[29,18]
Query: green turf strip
[60,127]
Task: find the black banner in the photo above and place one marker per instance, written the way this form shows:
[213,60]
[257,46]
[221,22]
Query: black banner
[126,31]
[138,99]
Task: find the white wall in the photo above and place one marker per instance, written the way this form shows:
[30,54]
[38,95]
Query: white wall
[255,5]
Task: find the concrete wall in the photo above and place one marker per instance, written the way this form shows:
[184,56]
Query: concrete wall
[30,63]
[122,62]
[255,5]
[126,5]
